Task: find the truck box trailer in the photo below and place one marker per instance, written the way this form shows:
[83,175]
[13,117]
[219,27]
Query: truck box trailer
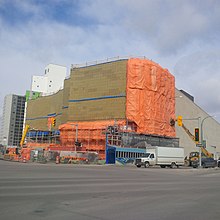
[162,156]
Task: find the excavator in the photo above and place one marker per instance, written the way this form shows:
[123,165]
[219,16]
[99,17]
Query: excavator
[206,157]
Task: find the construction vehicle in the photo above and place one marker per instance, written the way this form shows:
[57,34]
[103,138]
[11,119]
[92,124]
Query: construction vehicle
[194,156]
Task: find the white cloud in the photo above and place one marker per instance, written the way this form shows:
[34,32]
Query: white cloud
[198,73]
[169,25]
[179,35]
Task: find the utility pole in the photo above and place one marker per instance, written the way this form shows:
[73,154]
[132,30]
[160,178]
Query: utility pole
[76,138]
[202,141]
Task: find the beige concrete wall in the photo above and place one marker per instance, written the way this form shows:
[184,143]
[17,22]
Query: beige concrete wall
[108,79]
[38,110]
[97,81]
[193,115]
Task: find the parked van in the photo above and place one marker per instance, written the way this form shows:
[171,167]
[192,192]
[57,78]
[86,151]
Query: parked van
[163,156]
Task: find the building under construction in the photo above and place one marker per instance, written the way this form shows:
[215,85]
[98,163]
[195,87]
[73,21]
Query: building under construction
[131,95]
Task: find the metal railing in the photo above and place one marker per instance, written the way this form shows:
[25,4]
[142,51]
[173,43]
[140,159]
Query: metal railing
[92,63]
[112,59]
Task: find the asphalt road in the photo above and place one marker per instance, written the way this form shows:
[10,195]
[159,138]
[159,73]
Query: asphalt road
[50,191]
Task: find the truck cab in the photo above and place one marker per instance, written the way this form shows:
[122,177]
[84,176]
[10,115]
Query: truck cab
[148,159]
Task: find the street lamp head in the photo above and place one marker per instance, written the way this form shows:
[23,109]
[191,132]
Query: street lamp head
[209,116]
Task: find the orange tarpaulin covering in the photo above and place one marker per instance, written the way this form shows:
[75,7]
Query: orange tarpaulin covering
[150,99]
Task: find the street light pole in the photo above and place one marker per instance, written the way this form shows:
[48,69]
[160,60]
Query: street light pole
[209,116]
[202,141]
[76,135]
[76,138]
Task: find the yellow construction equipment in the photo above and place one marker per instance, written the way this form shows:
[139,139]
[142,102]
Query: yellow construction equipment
[194,156]
[24,135]
[205,153]
[188,132]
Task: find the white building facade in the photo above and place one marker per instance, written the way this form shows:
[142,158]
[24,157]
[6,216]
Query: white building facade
[51,82]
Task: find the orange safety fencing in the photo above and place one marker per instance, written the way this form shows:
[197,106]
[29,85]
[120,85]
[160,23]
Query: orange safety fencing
[29,146]
[34,145]
[11,154]
[62,148]
[26,154]
[150,98]
[11,150]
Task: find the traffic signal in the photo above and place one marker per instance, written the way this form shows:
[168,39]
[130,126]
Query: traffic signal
[78,144]
[197,134]
[180,120]
[112,129]
[54,122]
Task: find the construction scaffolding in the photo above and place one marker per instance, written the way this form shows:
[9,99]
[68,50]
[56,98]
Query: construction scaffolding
[89,136]
[49,137]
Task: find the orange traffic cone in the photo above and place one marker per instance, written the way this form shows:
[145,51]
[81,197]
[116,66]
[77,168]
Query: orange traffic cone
[57,159]
[24,160]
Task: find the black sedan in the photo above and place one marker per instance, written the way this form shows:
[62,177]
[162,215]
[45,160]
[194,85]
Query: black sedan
[206,163]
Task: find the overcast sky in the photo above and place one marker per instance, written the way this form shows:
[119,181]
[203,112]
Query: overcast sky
[181,35]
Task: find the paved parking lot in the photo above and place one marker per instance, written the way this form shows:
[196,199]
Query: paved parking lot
[50,191]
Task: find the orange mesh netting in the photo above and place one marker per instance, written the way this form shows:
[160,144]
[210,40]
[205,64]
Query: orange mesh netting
[150,97]
[26,153]
[90,134]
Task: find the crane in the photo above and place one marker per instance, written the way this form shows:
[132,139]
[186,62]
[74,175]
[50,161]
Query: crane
[24,135]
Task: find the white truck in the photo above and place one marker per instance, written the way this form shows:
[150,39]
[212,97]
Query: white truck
[163,156]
